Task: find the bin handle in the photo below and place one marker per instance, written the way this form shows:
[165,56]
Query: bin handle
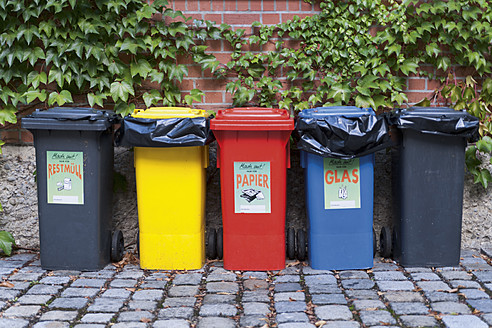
[206,158]
[288,154]
[77,118]
[218,155]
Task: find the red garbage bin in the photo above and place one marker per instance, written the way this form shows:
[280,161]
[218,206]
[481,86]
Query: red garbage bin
[253,155]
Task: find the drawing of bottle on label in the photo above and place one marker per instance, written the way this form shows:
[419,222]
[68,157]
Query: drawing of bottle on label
[252,194]
[66,184]
[342,192]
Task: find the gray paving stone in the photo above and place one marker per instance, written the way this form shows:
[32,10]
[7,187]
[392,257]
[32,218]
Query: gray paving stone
[222,276]
[380,266]
[12,264]
[254,284]
[333,312]
[123,283]
[295,269]
[357,284]
[103,274]
[362,294]
[41,289]
[288,287]
[417,269]
[419,321]
[324,299]
[473,294]
[285,307]
[69,303]
[183,291]
[55,280]
[129,325]
[86,282]
[52,324]
[181,301]
[476,266]
[148,295]
[310,271]
[187,279]
[403,296]
[176,313]
[450,308]
[342,324]
[417,276]
[395,285]
[253,321]
[18,285]
[33,276]
[130,274]
[59,316]
[372,318]
[487,318]
[21,257]
[80,292]
[218,310]
[483,276]
[97,318]
[142,305]
[459,321]
[153,284]
[465,284]
[325,289]
[162,275]
[405,308]
[255,275]
[116,293]
[292,317]
[255,296]
[484,306]
[441,297]
[9,294]
[252,308]
[287,278]
[216,322]
[128,316]
[222,287]
[296,325]
[21,311]
[106,305]
[289,296]
[219,299]
[389,275]
[13,323]
[368,305]
[353,274]
[433,286]
[457,275]
[320,279]
[171,323]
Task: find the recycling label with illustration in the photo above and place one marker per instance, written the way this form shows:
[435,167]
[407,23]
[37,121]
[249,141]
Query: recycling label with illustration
[252,187]
[65,177]
[341,183]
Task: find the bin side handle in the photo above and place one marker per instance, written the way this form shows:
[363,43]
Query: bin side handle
[218,155]
[288,154]
[206,158]
[303,159]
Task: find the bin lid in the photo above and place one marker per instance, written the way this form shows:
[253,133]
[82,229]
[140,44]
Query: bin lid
[69,118]
[347,111]
[169,112]
[252,119]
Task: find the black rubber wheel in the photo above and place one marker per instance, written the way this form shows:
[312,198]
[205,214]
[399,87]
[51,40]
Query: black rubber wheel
[211,244]
[374,243]
[291,243]
[220,244]
[301,245]
[385,244]
[117,246]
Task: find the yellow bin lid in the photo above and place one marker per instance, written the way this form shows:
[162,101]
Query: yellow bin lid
[169,112]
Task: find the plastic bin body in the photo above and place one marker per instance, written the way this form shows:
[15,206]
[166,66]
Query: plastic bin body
[74,230]
[171,200]
[339,206]
[253,154]
[428,174]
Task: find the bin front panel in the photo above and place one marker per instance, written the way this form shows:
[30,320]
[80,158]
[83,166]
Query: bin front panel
[255,240]
[429,178]
[75,234]
[171,206]
[339,204]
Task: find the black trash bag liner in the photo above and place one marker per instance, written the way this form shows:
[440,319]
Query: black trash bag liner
[343,137]
[168,132]
[442,121]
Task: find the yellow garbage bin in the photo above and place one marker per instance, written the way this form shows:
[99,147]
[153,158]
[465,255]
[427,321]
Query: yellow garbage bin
[171,192]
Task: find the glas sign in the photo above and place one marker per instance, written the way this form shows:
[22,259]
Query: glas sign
[341,183]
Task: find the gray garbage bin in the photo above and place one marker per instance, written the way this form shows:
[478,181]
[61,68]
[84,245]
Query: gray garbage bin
[74,168]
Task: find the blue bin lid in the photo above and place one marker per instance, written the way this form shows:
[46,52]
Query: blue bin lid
[347,111]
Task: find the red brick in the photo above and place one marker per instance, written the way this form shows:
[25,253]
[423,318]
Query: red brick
[213,97]
[317,6]
[268,5]
[223,58]
[211,84]
[228,98]
[293,44]
[243,5]
[187,84]
[227,47]
[184,59]
[26,136]
[10,136]
[281,5]
[195,71]
[192,5]
[271,19]
[461,71]
[241,19]
[306,6]
[433,84]
[256,5]
[415,97]
[290,16]
[230,5]
[416,84]
[216,5]
[213,45]
[251,47]
[217,18]
[268,47]
[294,5]
[179,5]
[194,16]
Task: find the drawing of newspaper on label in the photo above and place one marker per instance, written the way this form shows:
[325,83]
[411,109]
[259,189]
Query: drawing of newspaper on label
[252,187]
[65,175]
[341,183]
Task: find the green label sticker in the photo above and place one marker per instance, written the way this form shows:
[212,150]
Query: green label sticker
[342,183]
[252,187]
[65,177]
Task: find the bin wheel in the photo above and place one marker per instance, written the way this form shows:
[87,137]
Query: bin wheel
[291,243]
[385,244]
[117,246]
[374,243]
[211,244]
[301,245]
[220,244]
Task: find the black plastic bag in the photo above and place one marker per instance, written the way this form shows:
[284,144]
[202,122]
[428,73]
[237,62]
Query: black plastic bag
[168,132]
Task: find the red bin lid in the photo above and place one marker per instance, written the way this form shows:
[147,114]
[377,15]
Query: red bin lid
[252,119]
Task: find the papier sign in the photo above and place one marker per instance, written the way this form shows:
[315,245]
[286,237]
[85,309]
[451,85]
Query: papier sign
[252,187]
[341,183]
[65,177]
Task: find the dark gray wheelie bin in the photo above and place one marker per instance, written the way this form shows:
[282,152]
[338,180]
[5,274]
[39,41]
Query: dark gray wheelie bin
[428,164]
[74,168]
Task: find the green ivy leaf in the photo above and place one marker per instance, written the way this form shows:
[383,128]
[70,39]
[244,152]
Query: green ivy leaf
[96,99]
[7,114]
[60,98]
[195,95]
[408,66]
[6,242]
[142,68]
[121,90]
[152,97]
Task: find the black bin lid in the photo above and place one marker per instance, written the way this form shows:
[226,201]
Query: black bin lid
[69,118]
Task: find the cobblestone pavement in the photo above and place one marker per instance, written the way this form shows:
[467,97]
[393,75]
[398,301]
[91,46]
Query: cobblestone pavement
[388,295]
